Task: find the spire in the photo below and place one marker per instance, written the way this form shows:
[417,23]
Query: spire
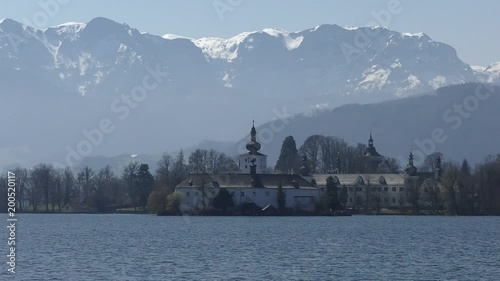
[370,140]
[410,169]
[253,132]
[253,146]
[410,157]
[437,170]
[337,164]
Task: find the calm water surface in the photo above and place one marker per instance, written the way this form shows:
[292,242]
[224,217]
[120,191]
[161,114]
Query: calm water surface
[144,247]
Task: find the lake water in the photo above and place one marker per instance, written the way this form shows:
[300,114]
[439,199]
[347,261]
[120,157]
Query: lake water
[144,247]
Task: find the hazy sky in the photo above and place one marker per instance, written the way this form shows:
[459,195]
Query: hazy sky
[469,26]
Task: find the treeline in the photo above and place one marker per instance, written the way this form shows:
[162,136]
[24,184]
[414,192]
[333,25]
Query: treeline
[457,189]
[44,188]
[327,154]
[463,190]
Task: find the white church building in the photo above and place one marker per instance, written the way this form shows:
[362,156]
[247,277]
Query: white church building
[254,186]
[251,186]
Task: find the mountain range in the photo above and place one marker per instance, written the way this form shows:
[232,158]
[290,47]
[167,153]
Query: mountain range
[60,82]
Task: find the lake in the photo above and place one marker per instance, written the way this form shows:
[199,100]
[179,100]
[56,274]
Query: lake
[146,247]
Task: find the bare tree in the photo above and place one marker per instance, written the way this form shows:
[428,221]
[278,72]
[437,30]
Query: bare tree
[85,180]
[42,178]
[129,175]
[56,192]
[22,186]
[450,180]
[312,149]
[163,177]
[68,182]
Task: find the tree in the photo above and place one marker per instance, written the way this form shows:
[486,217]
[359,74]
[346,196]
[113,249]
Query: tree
[281,198]
[414,194]
[449,181]
[430,162]
[198,161]
[57,191]
[158,201]
[143,185]
[174,202]
[223,200]
[432,194]
[42,178]
[22,186]
[288,161]
[203,161]
[103,184]
[332,194]
[312,149]
[85,180]
[343,196]
[163,177]
[393,165]
[466,189]
[129,175]
[4,187]
[68,182]
[180,169]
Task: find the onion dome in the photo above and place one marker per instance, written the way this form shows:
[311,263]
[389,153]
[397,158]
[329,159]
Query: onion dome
[253,146]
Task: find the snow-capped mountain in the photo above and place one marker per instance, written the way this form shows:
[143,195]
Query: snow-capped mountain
[325,60]
[330,59]
[489,74]
[67,78]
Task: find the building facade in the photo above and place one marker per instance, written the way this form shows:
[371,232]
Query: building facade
[251,186]
[378,188]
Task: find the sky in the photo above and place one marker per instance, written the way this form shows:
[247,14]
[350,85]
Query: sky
[469,26]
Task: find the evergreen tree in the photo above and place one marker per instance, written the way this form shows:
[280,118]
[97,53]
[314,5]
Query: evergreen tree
[223,200]
[281,198]
[143,185]
[343,196]
[332,194]
[180,169]
[288,161]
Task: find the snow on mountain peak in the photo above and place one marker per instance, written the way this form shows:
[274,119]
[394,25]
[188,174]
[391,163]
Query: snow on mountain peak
[417,34]
[175,36]
[275,31]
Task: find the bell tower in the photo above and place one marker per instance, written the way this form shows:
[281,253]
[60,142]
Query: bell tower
[252,161]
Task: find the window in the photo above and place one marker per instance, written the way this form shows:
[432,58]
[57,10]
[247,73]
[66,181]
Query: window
[187,194]
[350,200]
[401,189]
[393,188]
[379,189]
[254,193]
[350,188]
[386,188]
[245,166]
[358,188]
[393,200]
[242,194]
[245,160]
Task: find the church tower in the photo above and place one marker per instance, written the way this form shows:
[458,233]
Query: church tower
[372,157]
[411,170]
[252,159]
